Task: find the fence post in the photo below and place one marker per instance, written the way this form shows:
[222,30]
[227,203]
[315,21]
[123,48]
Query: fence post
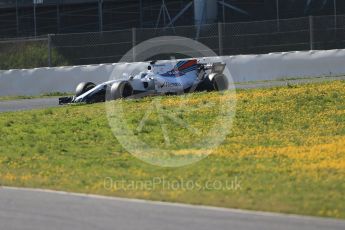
[311,32]
[49,51]
[35,22]
[17,18]
[220,38]
[134,35]
[278,16]
[100,15]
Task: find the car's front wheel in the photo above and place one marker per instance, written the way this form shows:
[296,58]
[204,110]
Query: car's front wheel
[84,87]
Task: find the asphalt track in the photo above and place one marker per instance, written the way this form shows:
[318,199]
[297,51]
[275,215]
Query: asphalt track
[28,104]
[27,209]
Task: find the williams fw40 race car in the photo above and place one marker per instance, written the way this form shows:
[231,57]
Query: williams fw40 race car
[159,79]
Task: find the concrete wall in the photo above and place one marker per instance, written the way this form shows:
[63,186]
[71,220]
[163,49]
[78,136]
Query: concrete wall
[287,65]
[242,67]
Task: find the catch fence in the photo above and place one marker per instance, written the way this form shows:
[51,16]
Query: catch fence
[259,37]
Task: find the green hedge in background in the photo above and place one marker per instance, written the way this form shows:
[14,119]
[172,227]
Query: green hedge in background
[26,55]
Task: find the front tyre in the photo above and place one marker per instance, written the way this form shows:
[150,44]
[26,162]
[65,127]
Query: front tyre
[84,87]
[121,89]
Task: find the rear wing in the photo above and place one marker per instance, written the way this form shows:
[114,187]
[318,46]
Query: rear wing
[217,67]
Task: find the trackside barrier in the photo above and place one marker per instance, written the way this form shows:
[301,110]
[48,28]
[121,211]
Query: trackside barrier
[243,68]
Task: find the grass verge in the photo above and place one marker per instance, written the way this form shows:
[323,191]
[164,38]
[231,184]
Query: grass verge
[285,152]
[54,94]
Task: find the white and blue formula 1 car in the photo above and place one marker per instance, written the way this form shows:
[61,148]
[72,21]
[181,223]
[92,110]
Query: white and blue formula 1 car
[159,79]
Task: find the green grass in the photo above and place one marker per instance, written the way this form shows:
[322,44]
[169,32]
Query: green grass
[285,151]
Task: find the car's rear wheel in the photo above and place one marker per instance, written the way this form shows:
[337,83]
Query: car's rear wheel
[84,87]
[121,89]
[220,82]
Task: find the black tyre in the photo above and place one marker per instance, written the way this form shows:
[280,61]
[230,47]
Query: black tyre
[83,88]
[220,82]
[121,90]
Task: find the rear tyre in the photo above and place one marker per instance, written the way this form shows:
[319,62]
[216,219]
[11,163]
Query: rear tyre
[121,89]
[84,87]
[220,82]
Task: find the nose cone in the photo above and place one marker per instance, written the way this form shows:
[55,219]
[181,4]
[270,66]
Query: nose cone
[79,99]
